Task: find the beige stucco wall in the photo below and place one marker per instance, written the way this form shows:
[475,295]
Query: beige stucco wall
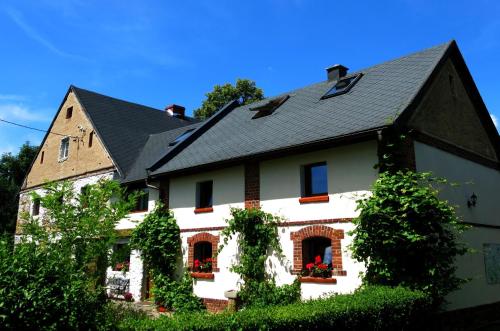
[484,182]
[81,159]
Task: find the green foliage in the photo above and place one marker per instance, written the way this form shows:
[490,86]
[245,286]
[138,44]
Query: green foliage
[158,238]
[53,278]
[407,236]
[257,236]
[372,308]
[13,169]
[245,91]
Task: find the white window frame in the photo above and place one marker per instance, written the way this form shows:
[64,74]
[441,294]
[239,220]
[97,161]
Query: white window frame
[64,149]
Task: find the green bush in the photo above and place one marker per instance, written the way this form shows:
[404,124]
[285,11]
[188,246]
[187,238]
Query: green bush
[52,279]
[372,308]
[407,236]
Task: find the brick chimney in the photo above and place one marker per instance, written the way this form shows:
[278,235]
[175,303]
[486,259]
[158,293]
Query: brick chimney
[175,110]
[335,72]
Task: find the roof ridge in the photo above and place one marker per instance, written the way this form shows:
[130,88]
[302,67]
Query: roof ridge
[76,88]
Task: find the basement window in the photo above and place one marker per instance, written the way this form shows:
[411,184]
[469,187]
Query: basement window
[342,86]
[269,107]
[64,149]
[182,137]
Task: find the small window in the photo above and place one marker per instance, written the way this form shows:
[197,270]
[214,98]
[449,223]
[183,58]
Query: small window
[316,251]
[182,137]
[120,258]
[142,201]
[315,179]
[84,195]
[269,107]
[69,112]
[204,194]
[35,210]
[342,86]
[41,157]
[202,257]
[64,149]
[91,139]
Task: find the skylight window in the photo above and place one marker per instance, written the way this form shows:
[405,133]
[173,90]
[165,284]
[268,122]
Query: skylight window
[182,137]
[269,107]
[342,86]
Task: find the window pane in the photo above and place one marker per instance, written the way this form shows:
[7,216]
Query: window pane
[205,194]
[319,182]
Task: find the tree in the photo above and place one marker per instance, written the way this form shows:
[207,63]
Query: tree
[245,91]
[13,169]
[406,235]
[53,278]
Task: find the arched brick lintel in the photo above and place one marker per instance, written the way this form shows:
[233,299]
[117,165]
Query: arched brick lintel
[203,237]
[335,235]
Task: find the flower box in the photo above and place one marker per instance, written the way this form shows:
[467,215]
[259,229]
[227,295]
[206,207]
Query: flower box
[202,275]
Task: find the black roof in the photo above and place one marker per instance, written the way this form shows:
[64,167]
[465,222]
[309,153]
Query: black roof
[125,127]
[382,93]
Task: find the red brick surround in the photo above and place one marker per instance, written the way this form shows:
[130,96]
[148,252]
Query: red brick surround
[252,185]
[318,231]
[200,237]
[215,305]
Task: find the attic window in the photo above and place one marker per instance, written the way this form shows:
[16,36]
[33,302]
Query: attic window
[69,112]
[342,86]
[269,107]
[182,137]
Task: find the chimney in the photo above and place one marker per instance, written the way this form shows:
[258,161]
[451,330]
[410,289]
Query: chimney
[175,110]
[336,72]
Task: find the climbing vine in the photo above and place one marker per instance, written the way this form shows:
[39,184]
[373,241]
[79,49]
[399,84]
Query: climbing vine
[257,237]
[158,238]
[407,236]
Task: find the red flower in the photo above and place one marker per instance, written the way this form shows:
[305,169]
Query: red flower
[309,266]
[318,260]
[196,263]
[323,266]
[208,260]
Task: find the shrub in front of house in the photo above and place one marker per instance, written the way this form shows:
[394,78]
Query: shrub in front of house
[371,308]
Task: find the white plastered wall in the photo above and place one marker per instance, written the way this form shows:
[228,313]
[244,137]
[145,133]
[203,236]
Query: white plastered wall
[485,183]
[350,176]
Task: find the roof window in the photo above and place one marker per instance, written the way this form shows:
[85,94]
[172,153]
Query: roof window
[182,137]
[342,86]
[269,107]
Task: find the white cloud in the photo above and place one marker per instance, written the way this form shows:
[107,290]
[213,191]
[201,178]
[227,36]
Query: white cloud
[495,120]
[11,97]
[31,32]
[18,112]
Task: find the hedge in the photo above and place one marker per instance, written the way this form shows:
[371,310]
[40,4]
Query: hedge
[372,308]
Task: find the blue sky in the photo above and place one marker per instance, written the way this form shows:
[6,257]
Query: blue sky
[162,52]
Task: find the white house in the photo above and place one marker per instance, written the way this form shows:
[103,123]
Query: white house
[305,155]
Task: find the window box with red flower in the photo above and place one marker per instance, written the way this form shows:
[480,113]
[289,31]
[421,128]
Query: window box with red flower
[317,270]
[202,269]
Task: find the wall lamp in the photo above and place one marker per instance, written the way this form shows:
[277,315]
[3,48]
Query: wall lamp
[472,201]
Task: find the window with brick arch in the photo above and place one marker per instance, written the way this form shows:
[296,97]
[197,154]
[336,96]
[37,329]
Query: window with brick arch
[202,257]
[315,247]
